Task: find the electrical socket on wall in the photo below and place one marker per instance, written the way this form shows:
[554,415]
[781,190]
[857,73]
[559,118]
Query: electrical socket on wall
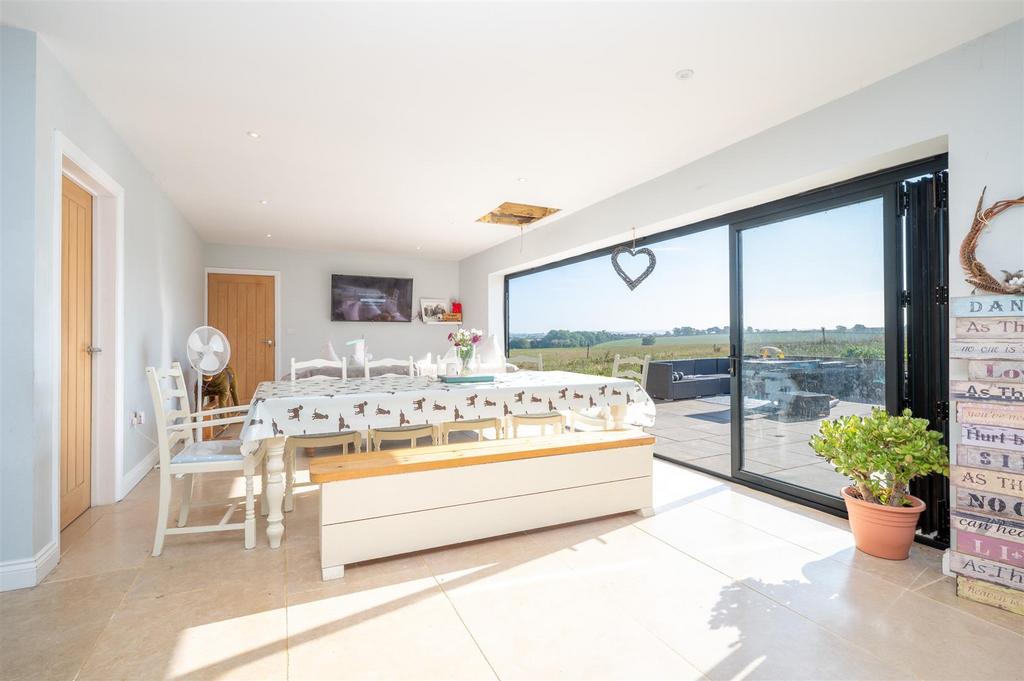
[137,418]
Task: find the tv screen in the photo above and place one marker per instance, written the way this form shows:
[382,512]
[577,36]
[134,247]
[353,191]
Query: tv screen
[355,298]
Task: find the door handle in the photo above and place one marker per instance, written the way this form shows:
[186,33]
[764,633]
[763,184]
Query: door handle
[734,365]
[268,341]
[92,349]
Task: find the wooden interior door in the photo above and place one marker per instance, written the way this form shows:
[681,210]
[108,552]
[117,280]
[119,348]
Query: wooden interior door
[242,306]
[76,358]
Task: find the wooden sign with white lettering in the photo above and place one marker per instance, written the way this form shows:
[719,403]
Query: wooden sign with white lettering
[987,306]
[1001,505]
[981,390]
[985,349]
[990,594]
[990,414]
[986,457]
[994,436]
[987,480]
[989,327]
[999,371]
[1001,528]
[985,569]
[992,548]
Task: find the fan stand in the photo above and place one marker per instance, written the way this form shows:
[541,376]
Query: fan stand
[199,403]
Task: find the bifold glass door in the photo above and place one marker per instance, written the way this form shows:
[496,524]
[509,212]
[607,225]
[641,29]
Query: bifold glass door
[815,334]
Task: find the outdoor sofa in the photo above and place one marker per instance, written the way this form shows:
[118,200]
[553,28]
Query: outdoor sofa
[683,379]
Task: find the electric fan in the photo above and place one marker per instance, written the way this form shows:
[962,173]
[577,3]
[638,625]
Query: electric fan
[208,351]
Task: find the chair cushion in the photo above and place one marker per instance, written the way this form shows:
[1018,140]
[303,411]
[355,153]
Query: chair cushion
[210,451]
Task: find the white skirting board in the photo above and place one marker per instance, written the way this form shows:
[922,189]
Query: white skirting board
[137,473]
[388,515]
[21,574]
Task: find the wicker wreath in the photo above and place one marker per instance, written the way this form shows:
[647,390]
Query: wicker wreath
[977,275]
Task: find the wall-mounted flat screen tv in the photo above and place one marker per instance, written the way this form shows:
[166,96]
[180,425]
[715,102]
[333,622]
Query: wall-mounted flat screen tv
[355,298]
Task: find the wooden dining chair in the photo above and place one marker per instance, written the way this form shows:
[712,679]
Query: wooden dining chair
[183,457]
[407,364]
[319,365]
[473,425]
[536,360]
[408,434]
[552,418]
[640,376]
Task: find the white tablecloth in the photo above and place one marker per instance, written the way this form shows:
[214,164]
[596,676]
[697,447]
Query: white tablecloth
[321,405]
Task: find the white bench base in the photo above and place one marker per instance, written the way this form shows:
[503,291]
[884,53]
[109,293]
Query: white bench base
[373,517]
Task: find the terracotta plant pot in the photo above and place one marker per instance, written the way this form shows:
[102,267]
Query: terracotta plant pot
[883,531]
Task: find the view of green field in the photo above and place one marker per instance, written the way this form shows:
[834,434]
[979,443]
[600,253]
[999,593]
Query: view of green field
[597,359]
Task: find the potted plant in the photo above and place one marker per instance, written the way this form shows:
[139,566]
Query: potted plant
[881,454]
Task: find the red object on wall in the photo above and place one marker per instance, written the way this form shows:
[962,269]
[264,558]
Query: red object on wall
[456,307]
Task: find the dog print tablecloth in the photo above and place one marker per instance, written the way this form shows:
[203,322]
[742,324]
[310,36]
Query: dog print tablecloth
[321,405]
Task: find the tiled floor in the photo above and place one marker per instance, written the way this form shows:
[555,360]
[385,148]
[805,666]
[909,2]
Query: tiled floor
[698,432]
[722,583]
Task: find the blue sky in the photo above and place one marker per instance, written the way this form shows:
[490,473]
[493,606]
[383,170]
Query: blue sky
[818,270]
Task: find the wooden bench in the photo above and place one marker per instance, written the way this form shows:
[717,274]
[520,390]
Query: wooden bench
[379,504]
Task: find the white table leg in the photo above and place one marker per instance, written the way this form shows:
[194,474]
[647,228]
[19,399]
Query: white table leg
[275,490]
[618,416]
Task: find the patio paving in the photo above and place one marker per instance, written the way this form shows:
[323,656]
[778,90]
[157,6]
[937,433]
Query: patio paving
[698,432]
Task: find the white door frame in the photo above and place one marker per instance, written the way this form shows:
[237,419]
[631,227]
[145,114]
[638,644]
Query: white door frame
[108,480]
[277,304]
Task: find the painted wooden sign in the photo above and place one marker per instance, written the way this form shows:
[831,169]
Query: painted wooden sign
[1001,528]
[990,594]
[1000,371]
[993,548]
[990,414]
[986,457]
[1000,505]
[985,569]
[985,349]
[981,390]
[990,327]
[995,436]
[987,306]
[987,480]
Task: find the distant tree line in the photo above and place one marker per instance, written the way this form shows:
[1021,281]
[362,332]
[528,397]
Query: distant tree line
[563,338]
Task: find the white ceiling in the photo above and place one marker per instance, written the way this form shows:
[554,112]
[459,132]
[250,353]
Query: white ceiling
[389,126]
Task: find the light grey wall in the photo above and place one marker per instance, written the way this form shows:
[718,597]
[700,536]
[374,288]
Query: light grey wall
[306,324]
[17,235]
[162,279]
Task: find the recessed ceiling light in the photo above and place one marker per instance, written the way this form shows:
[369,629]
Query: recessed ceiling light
[523,179]
[419,247]
[268,236]
[263,202]
[684,74]
[253,134]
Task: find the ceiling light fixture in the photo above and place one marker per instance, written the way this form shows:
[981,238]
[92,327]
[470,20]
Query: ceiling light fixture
[252,134]
[263,202]
[684,74]
[523,179]
[268,236]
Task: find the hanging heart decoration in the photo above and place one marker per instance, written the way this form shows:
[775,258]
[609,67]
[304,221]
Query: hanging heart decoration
[633,252]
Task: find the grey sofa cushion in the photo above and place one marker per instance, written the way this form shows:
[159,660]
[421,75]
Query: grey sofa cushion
[705,367]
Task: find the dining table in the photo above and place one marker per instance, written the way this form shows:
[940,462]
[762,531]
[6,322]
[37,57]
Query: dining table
[326,405]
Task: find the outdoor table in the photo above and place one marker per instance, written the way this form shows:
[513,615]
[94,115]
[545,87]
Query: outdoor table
[321,405]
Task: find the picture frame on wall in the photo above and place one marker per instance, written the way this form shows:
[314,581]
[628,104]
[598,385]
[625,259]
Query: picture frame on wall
[433,310]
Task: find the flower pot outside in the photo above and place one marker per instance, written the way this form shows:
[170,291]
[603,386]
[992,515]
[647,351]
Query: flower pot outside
[883,531]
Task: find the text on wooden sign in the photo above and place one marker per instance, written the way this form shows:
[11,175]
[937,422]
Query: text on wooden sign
[1001,505]
[995,436]
[988,570]
[985,349]
[993,548]
[987,306]
[990,414]
[986,457]
[986,480]
[994,370]
[989,327]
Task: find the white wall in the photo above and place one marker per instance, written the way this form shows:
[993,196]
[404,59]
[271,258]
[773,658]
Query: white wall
[163,294]
[305,309]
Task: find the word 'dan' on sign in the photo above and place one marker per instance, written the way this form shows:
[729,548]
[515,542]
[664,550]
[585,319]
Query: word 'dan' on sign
[1000,528]
[990,594]
[987,306]
[988,570]
[986,480]
[990,414]
[985,349]
[981,390]
[985,457]
[990,327]
[1001,372]
[993,548]
[994,436]
[1002,505]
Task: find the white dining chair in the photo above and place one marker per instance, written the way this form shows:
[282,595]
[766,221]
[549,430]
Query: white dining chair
[176,426]
[407,363]
[425,366]
[318,365]
[640,376]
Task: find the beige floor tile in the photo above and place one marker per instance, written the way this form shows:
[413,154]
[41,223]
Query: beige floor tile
[943,590]
[388,620]
[47,632]
[235,631]
[80,526]
[116,541]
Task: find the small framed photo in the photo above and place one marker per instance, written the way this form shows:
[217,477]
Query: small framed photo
[433,309]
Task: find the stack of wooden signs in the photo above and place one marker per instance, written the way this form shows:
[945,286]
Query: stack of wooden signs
[987,472]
